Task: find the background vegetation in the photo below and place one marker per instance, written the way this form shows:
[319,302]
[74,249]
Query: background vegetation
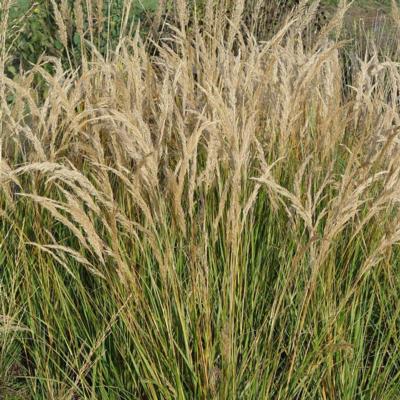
[190,211]
[35,27]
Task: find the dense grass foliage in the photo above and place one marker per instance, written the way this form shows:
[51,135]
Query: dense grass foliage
[200,214]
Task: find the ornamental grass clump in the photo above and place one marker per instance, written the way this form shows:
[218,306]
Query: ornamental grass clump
[201,215]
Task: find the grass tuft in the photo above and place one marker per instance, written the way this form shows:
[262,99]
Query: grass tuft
[202,214]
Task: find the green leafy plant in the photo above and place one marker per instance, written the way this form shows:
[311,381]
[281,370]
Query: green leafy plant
[35,33]
[38,31]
